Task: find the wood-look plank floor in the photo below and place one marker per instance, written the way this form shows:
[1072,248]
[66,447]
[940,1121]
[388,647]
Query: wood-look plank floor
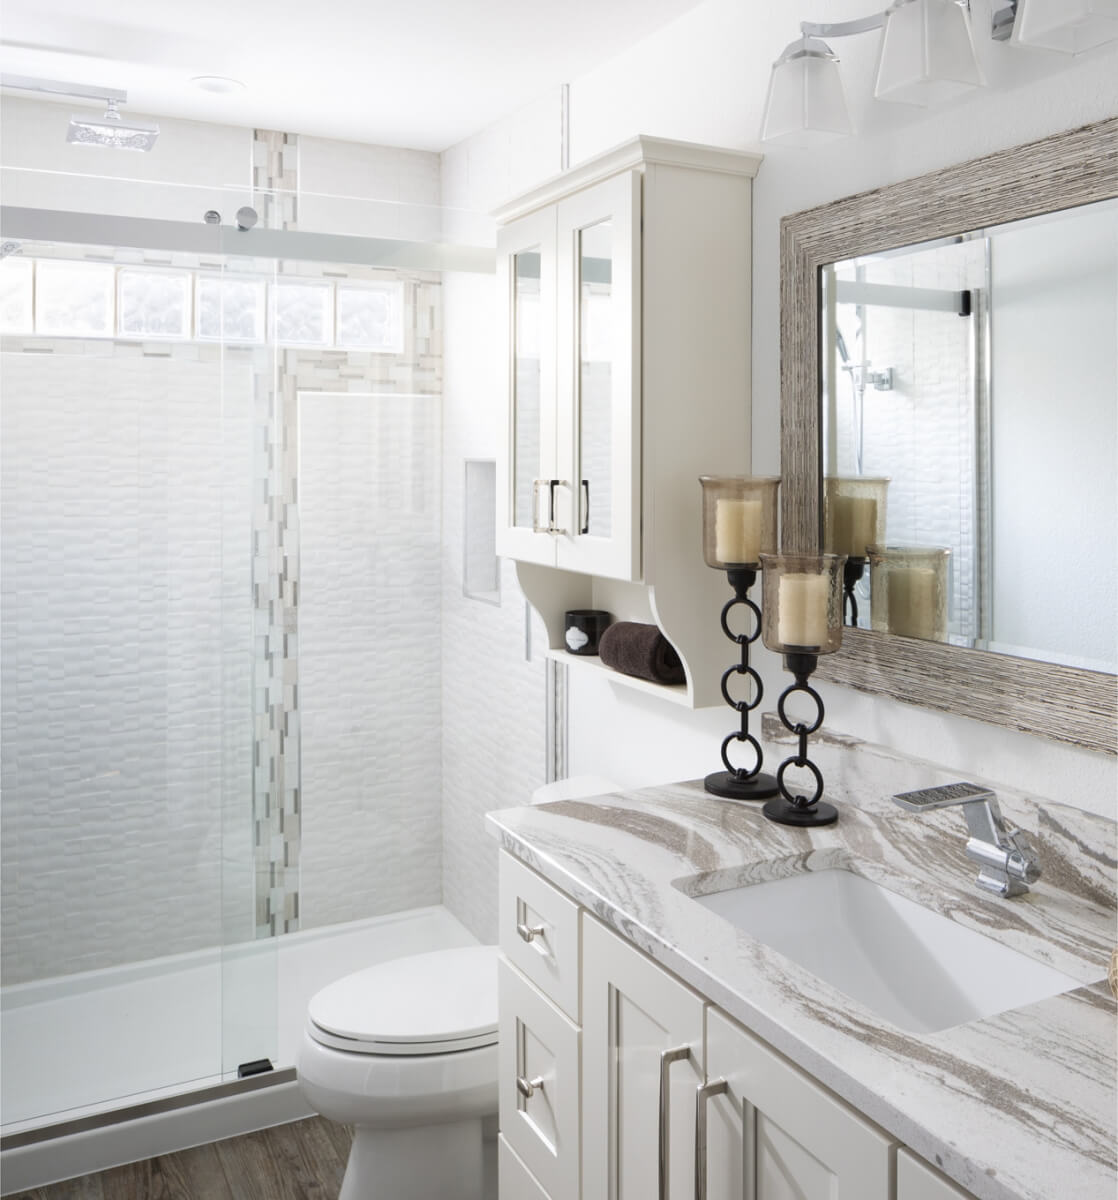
[301,1161]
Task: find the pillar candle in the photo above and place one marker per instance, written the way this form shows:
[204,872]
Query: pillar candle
[802,610]
[913,602]
[737,531]
[853,525]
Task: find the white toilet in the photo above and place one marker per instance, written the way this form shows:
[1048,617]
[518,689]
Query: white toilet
[406,1052]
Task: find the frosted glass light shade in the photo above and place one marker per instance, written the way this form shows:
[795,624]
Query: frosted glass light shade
[1068,25]
[806,104]
[927,53]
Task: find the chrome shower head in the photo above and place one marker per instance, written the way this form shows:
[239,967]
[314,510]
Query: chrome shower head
[112,130]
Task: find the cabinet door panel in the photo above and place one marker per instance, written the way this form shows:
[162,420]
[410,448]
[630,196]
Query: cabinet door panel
[916,1180]
[779,1135]
[526,319]
[537,1085]
[598,255]
[515,1181]
[632,1012]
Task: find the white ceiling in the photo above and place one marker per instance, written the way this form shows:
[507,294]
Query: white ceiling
[418,73]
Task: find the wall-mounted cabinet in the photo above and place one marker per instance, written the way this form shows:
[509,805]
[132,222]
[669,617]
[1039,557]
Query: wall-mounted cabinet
[624,310]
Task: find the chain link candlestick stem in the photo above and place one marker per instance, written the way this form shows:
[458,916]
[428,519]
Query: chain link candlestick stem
[737,783]
[802,619]
[798,809]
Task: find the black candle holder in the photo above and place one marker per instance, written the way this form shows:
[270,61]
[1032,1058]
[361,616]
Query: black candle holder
[797,809]
[852,573]
[802,620]
[736,783]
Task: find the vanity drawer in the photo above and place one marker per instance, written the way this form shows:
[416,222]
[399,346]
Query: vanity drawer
[515,1181]
[538,1084]
[538,928]
[916,1180]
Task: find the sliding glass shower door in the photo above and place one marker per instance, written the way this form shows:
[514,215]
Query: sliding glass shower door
[135,442]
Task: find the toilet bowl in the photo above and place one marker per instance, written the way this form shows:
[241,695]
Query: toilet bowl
[406,1052]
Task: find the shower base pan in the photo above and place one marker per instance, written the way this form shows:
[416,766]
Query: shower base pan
[127,1029]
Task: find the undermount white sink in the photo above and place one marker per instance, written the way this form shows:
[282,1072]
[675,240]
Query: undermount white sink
[917,969]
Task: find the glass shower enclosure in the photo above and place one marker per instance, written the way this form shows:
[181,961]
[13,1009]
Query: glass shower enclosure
[162,389]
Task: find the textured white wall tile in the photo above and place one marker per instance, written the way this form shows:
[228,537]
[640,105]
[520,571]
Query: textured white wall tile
[369,632]
[116,738]
[493,700]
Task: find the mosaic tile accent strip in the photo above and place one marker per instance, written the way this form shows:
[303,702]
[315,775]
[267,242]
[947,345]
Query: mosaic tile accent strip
[275,178]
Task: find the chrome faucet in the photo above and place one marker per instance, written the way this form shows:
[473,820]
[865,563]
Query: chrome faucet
[1007,858]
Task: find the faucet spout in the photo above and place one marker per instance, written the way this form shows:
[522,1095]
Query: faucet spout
[1008,861]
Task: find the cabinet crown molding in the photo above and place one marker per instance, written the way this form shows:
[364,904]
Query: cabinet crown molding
[638,152]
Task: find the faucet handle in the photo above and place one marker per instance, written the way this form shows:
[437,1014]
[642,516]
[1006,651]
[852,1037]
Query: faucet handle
[925,799]
[1023,862]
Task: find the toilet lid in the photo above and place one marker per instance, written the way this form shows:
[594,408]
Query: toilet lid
[433,1003]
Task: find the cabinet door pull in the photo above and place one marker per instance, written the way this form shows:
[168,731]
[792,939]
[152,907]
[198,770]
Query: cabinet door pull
[526,1087]
[667,1057]
[586,507]
[717,1087]
[529,932]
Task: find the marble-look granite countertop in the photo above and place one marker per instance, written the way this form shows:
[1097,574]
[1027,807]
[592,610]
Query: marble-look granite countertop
[1020,1106]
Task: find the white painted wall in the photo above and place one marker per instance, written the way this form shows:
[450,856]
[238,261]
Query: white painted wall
[703,78]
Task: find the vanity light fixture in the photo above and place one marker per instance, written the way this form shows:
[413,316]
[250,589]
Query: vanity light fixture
[926,57]
[1069,26]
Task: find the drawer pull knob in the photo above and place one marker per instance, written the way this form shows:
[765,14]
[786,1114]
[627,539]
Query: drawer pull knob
[528,932]
[527,1087]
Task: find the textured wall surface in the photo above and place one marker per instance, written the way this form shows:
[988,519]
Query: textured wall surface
[117,638]
[493,697]
[369,661]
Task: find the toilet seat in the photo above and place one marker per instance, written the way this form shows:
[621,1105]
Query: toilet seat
[436,1003]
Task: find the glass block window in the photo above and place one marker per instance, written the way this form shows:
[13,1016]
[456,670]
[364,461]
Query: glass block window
[74,299]
[153,303]
[15,295]
[371,317]
[228,307]
[302,313]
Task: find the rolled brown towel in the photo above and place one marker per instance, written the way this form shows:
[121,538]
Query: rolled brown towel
[640,650]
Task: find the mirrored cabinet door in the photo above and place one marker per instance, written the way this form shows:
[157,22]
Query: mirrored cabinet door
[598,321]
[528,496]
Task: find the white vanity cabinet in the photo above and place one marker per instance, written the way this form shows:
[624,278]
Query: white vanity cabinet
[632,1086]
[774,1133]
[642,1061]
[624,290]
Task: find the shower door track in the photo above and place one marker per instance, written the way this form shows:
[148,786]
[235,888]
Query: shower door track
[150,1108]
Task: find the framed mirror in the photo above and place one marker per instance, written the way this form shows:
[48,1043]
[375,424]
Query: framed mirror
[861,256]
